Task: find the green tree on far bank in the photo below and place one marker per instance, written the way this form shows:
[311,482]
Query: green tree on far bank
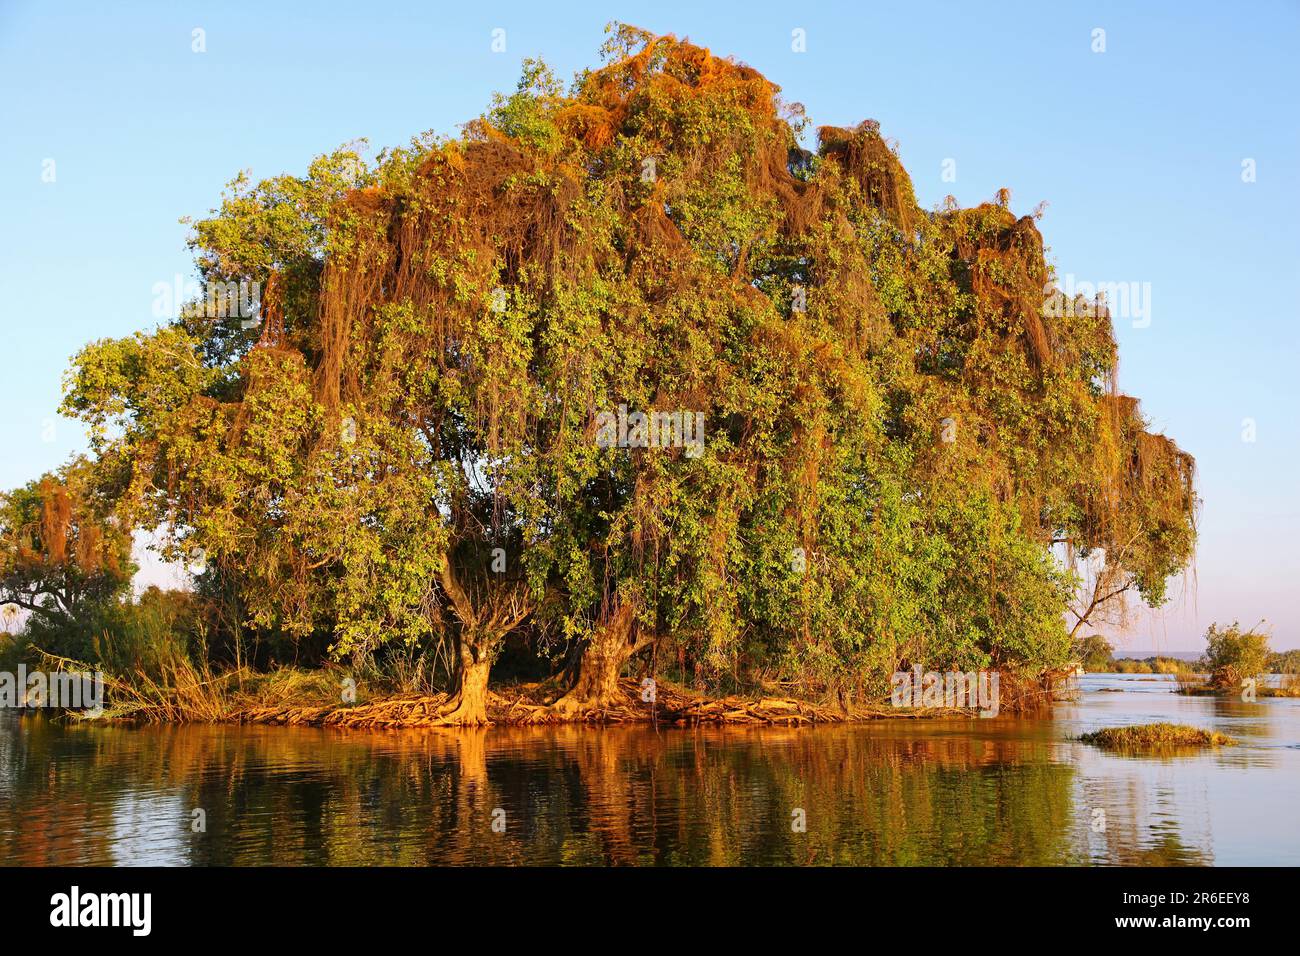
[1095,653]
[1233,655]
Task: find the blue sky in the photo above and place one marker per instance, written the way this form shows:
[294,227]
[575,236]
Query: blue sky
[1138,151]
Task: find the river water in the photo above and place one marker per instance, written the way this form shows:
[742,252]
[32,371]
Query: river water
[999,791]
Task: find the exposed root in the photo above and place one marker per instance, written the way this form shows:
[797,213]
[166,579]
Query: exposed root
[575,707]
[408,711]
[673,706]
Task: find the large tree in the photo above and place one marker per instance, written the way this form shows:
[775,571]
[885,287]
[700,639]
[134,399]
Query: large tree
[410,444]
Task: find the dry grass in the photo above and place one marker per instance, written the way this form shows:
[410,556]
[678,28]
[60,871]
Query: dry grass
[1190,683]
[173,690]
[1162,736]
[1196,685]
[1288,686]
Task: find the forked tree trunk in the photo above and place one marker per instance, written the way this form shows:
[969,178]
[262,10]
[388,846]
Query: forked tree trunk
[484,624]
[467,705]
[607,650]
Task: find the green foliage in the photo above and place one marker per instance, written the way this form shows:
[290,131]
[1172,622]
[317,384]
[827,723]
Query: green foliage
[149,633]
[894,435]
[64,556]
[1233,655]
[528,115]
[1152,665]
[1095,653]
[1128,665]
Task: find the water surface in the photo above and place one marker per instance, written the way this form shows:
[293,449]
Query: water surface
[1000,791]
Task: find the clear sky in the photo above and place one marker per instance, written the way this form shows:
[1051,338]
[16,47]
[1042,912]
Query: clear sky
[1138,150]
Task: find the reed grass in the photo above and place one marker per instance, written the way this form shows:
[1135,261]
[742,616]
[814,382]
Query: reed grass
[1160,736]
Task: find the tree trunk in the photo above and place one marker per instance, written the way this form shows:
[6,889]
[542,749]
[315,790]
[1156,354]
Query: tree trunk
[483,626]
[602,661]
[467,705]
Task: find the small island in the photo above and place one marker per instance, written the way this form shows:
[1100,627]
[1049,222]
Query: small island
[1237,661]
[1161,736]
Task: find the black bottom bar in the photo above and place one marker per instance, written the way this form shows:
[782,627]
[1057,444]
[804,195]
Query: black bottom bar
[910,906]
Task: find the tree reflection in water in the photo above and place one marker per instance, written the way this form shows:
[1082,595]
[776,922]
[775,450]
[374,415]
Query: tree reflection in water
[958,794]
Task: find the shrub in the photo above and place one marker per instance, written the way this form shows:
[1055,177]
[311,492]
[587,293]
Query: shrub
[1232,655]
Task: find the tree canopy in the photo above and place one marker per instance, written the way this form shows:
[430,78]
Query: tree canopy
[63,553]
[898,439]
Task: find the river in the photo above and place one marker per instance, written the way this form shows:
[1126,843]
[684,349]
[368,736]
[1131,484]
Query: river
[999,791]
